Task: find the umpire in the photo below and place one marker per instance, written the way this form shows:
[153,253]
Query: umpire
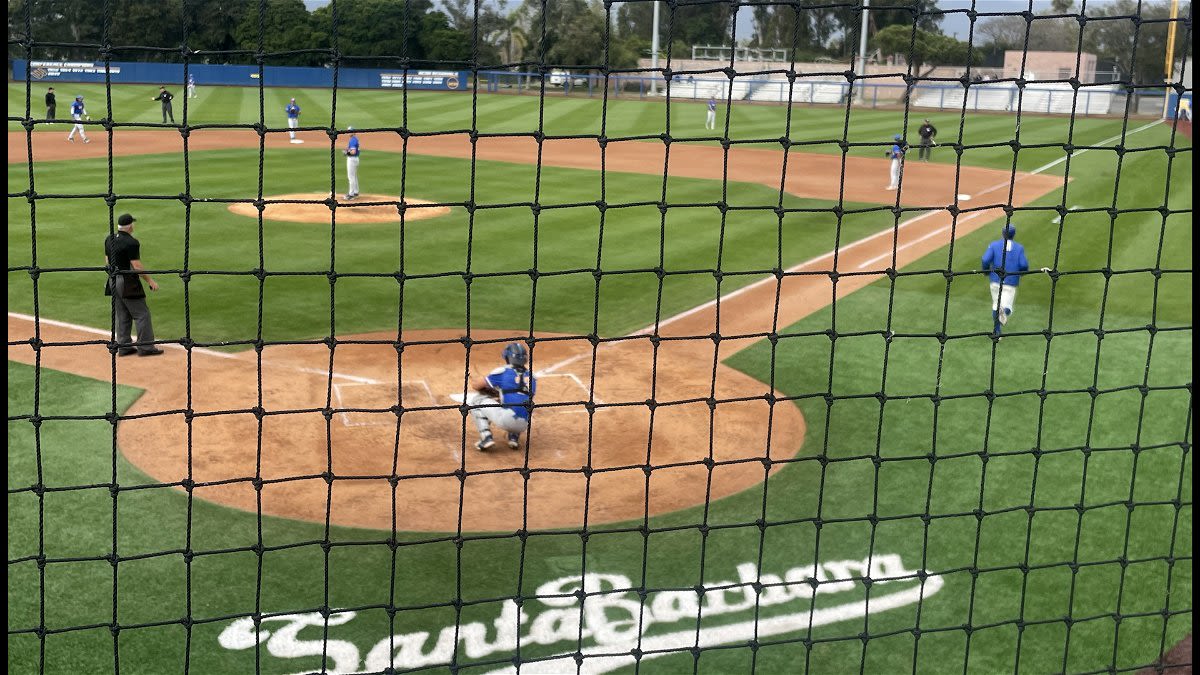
[123,256]
[51,103]
[165,96]
[926,132]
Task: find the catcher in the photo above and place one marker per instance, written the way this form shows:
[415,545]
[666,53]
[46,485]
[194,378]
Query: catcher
[503,399]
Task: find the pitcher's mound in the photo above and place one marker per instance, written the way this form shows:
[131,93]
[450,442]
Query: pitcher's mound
[366,208]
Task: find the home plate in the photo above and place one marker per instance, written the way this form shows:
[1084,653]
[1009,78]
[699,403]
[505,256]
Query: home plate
[964,198]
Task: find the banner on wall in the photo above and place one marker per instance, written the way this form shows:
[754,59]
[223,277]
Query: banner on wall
[422,79]
[41,70]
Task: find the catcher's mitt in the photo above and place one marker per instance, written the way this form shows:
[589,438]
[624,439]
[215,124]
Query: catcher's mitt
[490,392]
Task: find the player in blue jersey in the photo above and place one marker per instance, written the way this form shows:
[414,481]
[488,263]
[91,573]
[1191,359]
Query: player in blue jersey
[710,119]
[1005,262]
[351,153]
[78,113]
[293,118]
[191,86]
[504,399]
[896,154]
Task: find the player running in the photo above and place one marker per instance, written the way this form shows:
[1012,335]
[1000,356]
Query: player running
[1005,262]
[504,399]
[78,113]
[293,117]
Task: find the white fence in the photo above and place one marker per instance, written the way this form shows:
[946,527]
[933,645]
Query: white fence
[1041,97]
[1048,98]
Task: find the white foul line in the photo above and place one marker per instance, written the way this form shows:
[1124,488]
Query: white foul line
[851,245]
[890,231]
[196,350]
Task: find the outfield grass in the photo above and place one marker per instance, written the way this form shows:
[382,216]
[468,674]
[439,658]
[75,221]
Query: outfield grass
[1027,509]
[498,242]
[423,111]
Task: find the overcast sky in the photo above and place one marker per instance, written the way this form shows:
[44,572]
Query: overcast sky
[954,24]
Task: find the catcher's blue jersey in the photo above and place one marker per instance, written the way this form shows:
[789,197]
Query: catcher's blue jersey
[516,388]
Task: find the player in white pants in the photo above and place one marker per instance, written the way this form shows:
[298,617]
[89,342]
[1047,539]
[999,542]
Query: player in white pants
[351,153]
[896,154]
[293,118]
[191,86]
[78,113]
[710,118]
[1005,262]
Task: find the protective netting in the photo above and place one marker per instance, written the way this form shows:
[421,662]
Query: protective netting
[1109,625]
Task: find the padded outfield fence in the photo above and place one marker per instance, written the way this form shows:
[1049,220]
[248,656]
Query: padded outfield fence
[1036,97]
[776,428]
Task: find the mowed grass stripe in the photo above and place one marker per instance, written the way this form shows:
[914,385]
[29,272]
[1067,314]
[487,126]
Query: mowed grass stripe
[568,239]
[442,111]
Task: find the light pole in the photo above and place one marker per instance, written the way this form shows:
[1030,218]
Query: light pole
[1169,66]
[862,50]
[654,52]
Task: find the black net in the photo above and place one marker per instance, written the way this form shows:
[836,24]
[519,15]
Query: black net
[752,359]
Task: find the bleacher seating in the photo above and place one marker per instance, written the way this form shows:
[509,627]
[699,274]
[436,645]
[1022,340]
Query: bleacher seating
[1052,98]
[1046,98]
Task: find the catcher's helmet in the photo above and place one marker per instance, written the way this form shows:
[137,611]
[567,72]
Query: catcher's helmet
[516,355]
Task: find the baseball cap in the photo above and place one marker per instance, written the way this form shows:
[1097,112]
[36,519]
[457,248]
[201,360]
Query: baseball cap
[125,219]
[79,97]
[349,128]
[1010,231]
[898,137]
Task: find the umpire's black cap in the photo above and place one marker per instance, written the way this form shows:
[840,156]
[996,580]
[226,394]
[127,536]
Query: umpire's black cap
[125,220]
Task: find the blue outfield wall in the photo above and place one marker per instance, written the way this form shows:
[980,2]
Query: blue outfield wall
[125,72]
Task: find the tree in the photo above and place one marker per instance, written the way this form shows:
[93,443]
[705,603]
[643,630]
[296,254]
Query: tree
[63,21]
[921,47]
[441,43]
[212,24]
[566,32]
[463,15]
[379,33]
[1111,39]
[703,24]
[285,26]
[1138,50]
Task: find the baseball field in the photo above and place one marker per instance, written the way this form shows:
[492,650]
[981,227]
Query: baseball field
[773,432]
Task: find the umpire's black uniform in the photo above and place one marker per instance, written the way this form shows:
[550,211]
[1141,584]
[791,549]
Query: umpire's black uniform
[927,132]
[51,104]
[166,96]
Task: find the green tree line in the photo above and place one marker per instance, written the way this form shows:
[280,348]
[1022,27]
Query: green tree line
[576,34]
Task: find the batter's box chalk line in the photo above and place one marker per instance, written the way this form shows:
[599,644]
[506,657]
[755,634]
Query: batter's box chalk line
[458,398]
[375,419]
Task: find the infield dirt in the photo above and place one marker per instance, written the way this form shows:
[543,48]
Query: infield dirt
[579,464]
